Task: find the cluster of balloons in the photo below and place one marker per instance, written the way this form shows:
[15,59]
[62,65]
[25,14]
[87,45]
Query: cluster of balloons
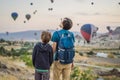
[88,31]
[50,9]
[92,3]
[35,12]
[14,15]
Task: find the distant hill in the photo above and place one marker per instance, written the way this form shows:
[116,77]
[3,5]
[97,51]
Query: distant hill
[29,35]
[116,31]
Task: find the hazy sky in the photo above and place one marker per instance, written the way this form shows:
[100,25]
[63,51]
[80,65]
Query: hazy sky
[103,13]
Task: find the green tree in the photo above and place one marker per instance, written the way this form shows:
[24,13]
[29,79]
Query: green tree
[2,50]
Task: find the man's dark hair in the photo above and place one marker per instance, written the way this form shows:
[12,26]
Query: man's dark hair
[67,23]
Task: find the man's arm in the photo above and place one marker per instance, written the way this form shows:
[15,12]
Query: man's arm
[54,46]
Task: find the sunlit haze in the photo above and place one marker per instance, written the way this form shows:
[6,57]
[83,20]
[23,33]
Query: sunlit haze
[101,14]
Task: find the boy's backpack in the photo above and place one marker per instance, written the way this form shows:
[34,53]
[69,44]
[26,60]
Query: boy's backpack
[66,50]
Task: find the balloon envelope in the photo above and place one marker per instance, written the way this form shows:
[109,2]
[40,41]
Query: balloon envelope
[31,3]
[108,27]
[92,3]
[24,21]
[28,16]
[52,1]
[87,31]
[14,15]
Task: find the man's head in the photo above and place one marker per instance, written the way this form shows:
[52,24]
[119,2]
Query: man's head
[66,23]
[45,36]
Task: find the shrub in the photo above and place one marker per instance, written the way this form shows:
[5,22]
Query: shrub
[80,53]
[110,55]
[90,53]
[2,40]
[76,51]
[2,51]
[26,58]
[78,74]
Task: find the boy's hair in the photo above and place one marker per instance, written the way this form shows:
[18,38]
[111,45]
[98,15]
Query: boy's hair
[45,36]
[67,23]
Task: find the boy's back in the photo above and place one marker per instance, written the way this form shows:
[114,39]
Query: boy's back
[42,56]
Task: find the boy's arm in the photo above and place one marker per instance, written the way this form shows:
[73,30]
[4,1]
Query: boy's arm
[51,56]
[33,56]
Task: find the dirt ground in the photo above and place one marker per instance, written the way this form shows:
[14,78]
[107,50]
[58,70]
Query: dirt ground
[11,69]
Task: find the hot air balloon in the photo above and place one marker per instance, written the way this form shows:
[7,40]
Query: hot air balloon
[31,3]
[50,9]
[92,3]
[35,12]
[87,31]
[28,16]
[14,15]
[35,33]
[52,1]
[24,21]
[109,29]
[95,31]
[7,33]
[77,24]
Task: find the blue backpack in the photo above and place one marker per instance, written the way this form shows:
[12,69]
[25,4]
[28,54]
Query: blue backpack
[66,50]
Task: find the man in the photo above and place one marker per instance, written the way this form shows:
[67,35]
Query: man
[59,66]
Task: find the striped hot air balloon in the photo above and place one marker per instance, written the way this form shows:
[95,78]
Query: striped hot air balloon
[88,31]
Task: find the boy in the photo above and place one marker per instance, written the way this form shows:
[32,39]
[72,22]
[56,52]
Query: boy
[42,57]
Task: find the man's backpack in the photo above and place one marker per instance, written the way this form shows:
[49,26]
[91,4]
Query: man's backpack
[66,50]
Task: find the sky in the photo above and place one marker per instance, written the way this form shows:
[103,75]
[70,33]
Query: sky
[101,14]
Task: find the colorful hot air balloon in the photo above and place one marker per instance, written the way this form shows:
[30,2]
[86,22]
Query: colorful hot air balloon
[14,15]
[28,16]
[87,31]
